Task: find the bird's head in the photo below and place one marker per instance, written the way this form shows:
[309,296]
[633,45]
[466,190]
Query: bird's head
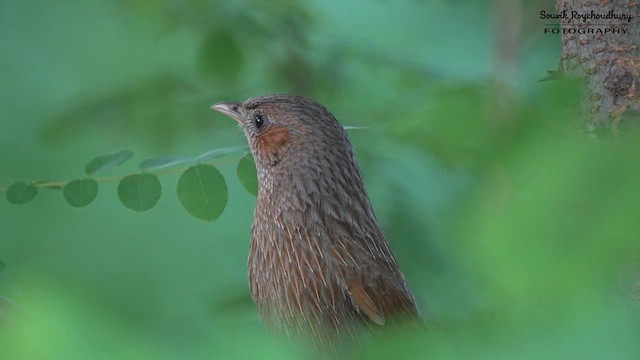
[280,127]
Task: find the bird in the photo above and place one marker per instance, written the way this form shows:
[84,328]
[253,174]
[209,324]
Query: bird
[320,267]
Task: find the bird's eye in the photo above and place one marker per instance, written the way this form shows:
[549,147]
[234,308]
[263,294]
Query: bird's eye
[259,121]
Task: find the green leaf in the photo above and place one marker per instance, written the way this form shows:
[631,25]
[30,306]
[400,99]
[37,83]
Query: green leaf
[164,162]
[203,192]
[139,192]
[21,193]
[217,153]
[105,162]
[247,175]
[80,193]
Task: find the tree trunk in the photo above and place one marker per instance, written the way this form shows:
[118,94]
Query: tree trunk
[601,43]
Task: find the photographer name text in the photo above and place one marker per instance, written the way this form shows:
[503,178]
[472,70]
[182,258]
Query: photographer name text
[576,15]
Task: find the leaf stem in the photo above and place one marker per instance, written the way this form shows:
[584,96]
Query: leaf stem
[57,185]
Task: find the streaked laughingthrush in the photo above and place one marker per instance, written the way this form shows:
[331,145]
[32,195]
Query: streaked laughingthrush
[319,264]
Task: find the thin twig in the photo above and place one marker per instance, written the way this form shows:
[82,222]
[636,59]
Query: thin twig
[60,184]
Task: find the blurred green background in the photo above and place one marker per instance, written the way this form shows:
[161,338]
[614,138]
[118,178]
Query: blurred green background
[518,235]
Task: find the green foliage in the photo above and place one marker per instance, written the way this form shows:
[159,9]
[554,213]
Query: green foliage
[106,162]
[80,193]
[202,189]
[517,234]
[216,154]
[203,192]
[221,55]
[139,192]
[21,193]
[246,171]
[152,108]
[164,162]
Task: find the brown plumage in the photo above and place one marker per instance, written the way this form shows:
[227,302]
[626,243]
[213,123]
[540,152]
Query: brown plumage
[319,265]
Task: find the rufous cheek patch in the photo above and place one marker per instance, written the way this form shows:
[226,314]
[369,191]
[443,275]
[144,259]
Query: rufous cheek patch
[271,140]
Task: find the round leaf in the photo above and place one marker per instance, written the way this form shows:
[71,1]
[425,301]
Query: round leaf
[247,175]
[21,193]
[203,192]
[139,192]
[80,193]
[105,162]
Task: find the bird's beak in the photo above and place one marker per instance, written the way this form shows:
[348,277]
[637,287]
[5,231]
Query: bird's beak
[229,108]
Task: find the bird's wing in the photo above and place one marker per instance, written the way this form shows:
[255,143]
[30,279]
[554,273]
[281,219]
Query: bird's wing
[383,299]
[362,300]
